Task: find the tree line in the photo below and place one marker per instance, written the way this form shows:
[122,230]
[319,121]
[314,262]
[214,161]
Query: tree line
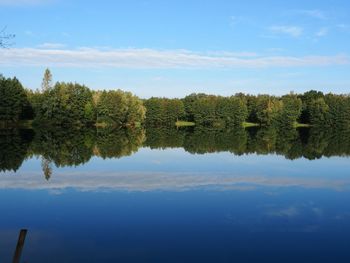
[312,108]
[67,104]
[73,104]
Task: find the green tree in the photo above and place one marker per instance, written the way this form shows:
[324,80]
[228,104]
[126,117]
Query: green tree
[66,104]
[204,110]
[46,83]
[119,108]
[13,99]
[268,109]
[291,110]
[307,100]
[318,112]
[164,111]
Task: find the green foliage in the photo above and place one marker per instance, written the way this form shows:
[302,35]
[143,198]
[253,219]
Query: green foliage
[13,100]
[291,110]
[72,104]
[232,110]
[318,111]
[163,111]
[66,104]
[339,111]
[189,103]
[210,110]
[118,108]
[268,110]
[307,100]
[204,111]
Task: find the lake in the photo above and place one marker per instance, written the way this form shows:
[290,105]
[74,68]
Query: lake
[175,195]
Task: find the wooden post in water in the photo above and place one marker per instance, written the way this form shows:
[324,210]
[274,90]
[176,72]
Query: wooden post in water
[20,245]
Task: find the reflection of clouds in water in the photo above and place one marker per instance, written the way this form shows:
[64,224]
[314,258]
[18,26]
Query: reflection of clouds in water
[150,181]
[303,217]
[342,216]
[295,210]
[291,211]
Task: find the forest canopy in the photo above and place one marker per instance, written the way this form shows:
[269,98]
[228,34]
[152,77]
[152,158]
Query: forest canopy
[73,104]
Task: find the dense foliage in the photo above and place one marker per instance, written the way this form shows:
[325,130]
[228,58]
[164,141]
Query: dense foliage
[163,111]
[13,100]
[118,108]
[66,104]
[72,104]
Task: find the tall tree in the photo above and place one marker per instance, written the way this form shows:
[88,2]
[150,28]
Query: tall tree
[46,84]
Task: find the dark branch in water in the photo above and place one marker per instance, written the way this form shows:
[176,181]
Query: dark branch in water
[20,245]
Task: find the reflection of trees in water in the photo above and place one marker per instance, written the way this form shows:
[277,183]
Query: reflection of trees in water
[285,142]
[74,147]
[292,143]
[326,142]
[117,143]
[213,140]
[13,148]
[46,166]
[162,138]
[64,147]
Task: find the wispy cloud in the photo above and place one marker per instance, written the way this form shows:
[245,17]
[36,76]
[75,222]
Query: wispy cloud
[322,32]
[292,31]
[152,58]
[23,2]
[51,46]
[315,13]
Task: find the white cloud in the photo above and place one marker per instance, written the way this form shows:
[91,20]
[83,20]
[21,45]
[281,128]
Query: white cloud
[23,2]
[322,32]
[51,46]
[152,58]
[292,31]
[315,13]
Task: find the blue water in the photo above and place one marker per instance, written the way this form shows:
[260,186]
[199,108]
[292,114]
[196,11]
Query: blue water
[172,206]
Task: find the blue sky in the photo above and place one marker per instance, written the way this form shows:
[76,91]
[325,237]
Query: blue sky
[173,48]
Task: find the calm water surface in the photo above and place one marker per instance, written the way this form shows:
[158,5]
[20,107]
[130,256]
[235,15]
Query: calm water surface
[180,196]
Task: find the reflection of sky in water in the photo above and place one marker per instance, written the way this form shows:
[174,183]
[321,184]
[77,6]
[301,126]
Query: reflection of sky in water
[171,206]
